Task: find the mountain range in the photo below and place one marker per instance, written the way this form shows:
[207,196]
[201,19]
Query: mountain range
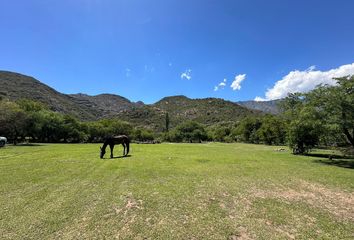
[14,86]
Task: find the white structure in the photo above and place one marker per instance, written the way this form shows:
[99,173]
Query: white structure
[3,141]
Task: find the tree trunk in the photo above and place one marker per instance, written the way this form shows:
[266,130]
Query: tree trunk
[350,138]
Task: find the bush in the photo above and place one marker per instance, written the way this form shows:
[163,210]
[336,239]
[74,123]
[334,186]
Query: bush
[303,136]
[246,131]
[272,130]
[220,132]
[189,131]
[99,130]
[143,135]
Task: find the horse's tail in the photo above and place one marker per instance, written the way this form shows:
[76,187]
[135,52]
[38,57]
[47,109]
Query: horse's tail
[127,143]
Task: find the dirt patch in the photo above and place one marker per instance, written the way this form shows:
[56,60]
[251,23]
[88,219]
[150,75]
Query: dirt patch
[241,234]
[285,232]
[130,204]
[129,215]
[334,201]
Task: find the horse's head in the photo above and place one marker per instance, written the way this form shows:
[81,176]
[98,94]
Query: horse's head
[102,152]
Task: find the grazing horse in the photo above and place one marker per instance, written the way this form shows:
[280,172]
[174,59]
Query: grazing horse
[111,141]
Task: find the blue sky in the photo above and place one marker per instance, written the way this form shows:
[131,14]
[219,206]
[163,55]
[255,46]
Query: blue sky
[145,50]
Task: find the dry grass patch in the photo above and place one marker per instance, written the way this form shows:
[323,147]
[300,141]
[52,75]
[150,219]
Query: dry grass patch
[337,202]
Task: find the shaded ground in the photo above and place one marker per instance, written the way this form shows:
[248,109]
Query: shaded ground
[333,159]
[349,163]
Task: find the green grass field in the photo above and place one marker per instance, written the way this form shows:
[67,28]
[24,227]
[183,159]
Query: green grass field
[173,191]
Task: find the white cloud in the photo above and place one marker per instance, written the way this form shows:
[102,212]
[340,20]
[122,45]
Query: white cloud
[149,69]
[259,99]
[127,72]
[304,81]
[221,85]
[187,74]
[236,84]
[311,68]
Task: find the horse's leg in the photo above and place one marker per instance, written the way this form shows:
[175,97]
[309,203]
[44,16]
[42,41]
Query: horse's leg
[111,146]
[123,149]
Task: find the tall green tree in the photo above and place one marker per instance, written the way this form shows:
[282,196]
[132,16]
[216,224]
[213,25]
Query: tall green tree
[221,131]
[335,107]
[167,122]
[303,126]
[33,109]
[98,130]
[272,130]
[141,134]
[12,120]
[189,131]
[304,132]
[247,129]
[73,130]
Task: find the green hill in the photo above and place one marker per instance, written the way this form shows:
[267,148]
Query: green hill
[14,86]
[208,111]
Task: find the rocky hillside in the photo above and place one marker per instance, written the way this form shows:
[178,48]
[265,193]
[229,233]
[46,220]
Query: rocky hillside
[106,104]
[15,86]
[264,106]
[207,110]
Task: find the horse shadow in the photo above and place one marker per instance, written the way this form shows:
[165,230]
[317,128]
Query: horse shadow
[117,157]
[28,145]
[333,160]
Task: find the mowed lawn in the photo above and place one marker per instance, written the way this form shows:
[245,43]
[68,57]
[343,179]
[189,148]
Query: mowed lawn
[173,191]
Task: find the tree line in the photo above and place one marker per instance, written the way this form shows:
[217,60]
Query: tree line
[321,117]
[324,116]
[27,120]
[33,121]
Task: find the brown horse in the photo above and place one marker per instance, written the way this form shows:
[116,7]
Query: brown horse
[115,140]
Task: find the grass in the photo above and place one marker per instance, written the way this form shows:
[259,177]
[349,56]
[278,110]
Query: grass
[173,191]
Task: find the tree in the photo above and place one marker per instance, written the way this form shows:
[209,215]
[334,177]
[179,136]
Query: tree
[304,133]
[292,105]
[304,123]
[30,105]
[189,131]
[272,130]
[335,106]
[247,129]
[167,122]
[73,130]
[12,121]
[108,127]
[143,135]
[221,131]
[51,126]
[34,122]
